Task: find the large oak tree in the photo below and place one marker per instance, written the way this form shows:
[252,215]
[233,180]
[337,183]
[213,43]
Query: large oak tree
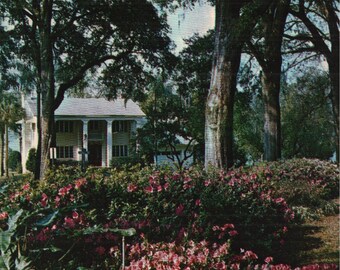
[66,40]
[266,47]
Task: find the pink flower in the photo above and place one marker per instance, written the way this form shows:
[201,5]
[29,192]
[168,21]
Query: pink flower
[166,186]
[80,182]
[268,259]
[250,255]
[207,183]
[69,223]
[26,187]
[148,189]
[279,200]
[198,202]
[3,215]
[57,201]
[179,210]
[65,190]
[131,188]
[187,179]
[253,176]
[215,228]
[159,188]
[44,200]
[75,215]
[233,233]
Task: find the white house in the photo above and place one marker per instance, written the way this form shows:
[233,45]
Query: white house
[104,128]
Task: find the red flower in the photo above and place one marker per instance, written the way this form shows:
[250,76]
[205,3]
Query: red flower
[179,210]
[80,182]
[69,223]
[233,233]
[3,215]
[198,202]
[26,187]
[268,259]
[44,200]
[148,189]
[131,188]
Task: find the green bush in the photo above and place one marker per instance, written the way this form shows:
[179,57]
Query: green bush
[14,161]
[31,160]
[307,184]
[241,207]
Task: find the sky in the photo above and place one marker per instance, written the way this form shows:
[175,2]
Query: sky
[184,23]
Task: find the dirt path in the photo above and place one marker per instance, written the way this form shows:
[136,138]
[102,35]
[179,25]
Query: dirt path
[313,242]
[327,231]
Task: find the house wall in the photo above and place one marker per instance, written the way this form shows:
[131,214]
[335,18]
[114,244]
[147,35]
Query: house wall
[29,140]
[71,139]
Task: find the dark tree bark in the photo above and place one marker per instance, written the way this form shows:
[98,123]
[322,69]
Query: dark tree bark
[270,60]
[232,29]
[2,149]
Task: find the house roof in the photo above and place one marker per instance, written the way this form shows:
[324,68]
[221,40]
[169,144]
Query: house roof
[94,107]
[98,107]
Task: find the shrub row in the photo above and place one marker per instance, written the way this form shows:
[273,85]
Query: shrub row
[195,218]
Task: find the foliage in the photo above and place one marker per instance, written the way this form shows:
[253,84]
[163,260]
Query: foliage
[14,161]
[196,218]
[306,184]
[308,130]
[192,78]
[127,38]
[31,160]
[168,123]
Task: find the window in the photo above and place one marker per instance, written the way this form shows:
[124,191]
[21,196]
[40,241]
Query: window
[120,126]
[120,151]
[64,151]
[64,126]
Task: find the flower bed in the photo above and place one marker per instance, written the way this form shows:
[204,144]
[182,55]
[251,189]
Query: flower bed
[188,220]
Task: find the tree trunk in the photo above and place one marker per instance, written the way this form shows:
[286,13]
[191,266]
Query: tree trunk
[220,100]
[6,151]
[274,23]
[334,95]
[38,155]
[47,87]
[272,118]
[232,30]
[333,63]
[270,59]
[2,144]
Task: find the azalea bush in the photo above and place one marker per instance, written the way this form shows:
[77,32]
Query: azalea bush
[197,219]
[308,185]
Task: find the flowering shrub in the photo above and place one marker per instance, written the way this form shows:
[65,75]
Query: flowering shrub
[306,184]
[197,219]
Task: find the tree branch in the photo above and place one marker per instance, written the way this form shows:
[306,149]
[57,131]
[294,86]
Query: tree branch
[80,75]
[317,38]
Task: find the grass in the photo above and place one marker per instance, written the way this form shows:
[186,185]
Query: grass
[312,242]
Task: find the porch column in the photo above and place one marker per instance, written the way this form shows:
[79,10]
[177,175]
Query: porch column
[109,141]
[85,137]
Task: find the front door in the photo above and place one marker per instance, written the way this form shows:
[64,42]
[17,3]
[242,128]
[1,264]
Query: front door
[95,153]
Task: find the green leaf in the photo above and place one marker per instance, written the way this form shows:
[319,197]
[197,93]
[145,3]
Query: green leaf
[125,232]
[46,221]
[22,263]
[5,241]
[3,189]
[3,265]
[13,220]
